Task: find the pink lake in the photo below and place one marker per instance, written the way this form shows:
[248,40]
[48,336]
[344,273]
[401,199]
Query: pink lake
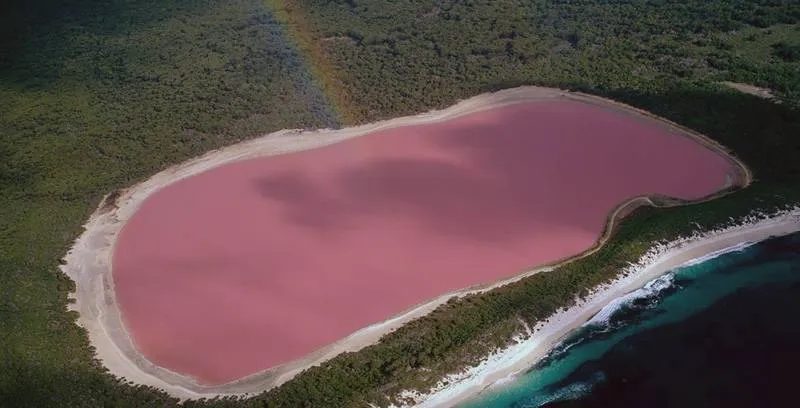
[261,262]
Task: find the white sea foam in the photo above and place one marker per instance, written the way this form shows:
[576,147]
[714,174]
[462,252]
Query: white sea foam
[572,391]
[716,254]
[651,289]
[505,380]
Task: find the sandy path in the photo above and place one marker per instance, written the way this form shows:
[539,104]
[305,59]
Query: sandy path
[504,366]
[88,262]
[750,89]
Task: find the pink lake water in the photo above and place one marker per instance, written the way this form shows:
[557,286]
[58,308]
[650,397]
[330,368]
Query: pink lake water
[261,262]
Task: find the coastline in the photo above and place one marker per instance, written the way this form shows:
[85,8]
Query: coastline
[504,366]
[88,262]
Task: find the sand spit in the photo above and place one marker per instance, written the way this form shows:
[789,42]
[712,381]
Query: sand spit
[88,263]
[504,365]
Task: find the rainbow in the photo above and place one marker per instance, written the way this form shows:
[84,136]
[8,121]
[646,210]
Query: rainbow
[299,31]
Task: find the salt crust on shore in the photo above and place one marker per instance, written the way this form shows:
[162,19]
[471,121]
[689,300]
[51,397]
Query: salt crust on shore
[88,262]
[504,365]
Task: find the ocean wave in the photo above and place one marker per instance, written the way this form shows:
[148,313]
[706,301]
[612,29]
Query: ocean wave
[569,392]
[505,380]
[655,287]
[623,309]
[651,290]
[603,322]
[736,248]
[560,351]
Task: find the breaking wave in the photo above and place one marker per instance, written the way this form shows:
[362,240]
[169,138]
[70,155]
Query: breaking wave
[569,392]
[651,293]
[736,248]
[621,311]
[643,298]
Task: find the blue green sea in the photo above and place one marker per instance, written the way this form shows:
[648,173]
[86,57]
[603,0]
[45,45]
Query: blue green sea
[724,332]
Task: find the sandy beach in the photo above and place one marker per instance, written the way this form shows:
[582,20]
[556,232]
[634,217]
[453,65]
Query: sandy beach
[88,263]
[501,367]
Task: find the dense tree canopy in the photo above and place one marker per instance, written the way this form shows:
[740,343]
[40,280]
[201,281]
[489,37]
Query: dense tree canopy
[394,56]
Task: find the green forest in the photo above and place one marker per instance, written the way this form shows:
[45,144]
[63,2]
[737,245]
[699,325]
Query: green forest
[395,55]
[97,95]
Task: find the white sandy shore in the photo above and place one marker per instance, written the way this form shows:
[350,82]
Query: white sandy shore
[503,366]
[88,263]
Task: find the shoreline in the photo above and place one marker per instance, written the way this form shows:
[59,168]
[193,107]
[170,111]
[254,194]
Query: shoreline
[505,366]
[88,262]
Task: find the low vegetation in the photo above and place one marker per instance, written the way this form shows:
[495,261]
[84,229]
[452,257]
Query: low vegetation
[96,96]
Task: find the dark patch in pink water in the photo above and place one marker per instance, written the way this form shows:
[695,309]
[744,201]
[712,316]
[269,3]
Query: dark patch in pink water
[261,262]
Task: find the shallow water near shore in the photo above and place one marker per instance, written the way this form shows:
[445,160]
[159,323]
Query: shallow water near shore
[712,333]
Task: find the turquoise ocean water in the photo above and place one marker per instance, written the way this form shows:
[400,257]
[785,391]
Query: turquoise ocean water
[724,332]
